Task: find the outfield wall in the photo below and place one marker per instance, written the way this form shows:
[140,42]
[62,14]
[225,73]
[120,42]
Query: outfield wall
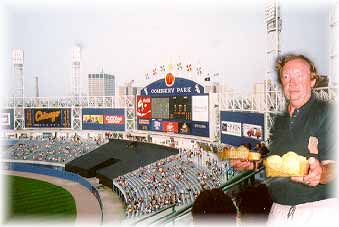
[54,171]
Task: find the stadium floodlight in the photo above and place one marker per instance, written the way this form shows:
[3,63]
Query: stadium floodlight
[18,57]
[75,83]
[76,54]
[270,11]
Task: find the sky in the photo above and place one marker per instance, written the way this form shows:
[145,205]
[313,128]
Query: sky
[130,38]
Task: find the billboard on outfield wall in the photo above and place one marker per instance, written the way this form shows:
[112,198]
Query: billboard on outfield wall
[48,118]
[7,119]
[103,119]
[241,127]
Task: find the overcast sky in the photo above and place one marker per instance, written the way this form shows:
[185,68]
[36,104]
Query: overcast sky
[129,38]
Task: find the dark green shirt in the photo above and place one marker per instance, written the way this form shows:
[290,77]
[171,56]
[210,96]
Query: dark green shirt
[316,118]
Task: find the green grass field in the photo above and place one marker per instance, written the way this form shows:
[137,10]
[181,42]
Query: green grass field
[38,200]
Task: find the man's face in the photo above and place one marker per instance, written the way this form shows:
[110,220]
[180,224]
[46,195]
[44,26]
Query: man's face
[296,82]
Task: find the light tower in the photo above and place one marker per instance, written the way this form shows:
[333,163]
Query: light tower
[36,90]
[76,55]
[273,99]
[36,86]
[334,47]
[18,69]
[75,86]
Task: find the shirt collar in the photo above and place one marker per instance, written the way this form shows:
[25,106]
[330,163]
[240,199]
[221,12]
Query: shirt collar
[306,106]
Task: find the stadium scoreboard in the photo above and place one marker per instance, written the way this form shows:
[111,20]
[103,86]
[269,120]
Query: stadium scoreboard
[160,108]
[180,108]
[173,105]
[175,114]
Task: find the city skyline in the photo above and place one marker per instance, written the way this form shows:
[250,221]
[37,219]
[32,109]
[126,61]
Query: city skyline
[128,39]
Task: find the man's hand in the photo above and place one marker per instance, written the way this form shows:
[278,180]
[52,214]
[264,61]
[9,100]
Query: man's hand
[242,164]
[313,177]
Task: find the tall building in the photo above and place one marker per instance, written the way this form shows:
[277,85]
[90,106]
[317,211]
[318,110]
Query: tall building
[129,89]
[101,84]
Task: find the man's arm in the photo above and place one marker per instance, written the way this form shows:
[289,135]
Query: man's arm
[242,164]
[239,164]
[328,171]
[319,173]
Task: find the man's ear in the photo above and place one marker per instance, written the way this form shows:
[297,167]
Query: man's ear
[313,83]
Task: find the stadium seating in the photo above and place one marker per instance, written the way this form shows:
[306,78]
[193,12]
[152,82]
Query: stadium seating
[57,150]
[176,179]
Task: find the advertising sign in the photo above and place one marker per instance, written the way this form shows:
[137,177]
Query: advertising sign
[48,118]
[184,128]
[103,119]
[169,126]
[252,131]
[114,119]
[241,127]
[200,108]
[143,121]
[200,129]
[143,127]
[231,128]
[7,119]
[144,106]
[95,119]
[143,124]
[156,125]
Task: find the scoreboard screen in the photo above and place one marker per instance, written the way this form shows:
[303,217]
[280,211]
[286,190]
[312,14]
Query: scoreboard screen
[160,108]
[180,108]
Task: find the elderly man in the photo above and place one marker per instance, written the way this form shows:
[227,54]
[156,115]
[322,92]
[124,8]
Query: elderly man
[307,128]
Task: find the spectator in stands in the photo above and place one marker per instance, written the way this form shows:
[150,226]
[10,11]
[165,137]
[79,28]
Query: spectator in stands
[50,150]
[307,128]
[170,181]
[214,206]
[254,203]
